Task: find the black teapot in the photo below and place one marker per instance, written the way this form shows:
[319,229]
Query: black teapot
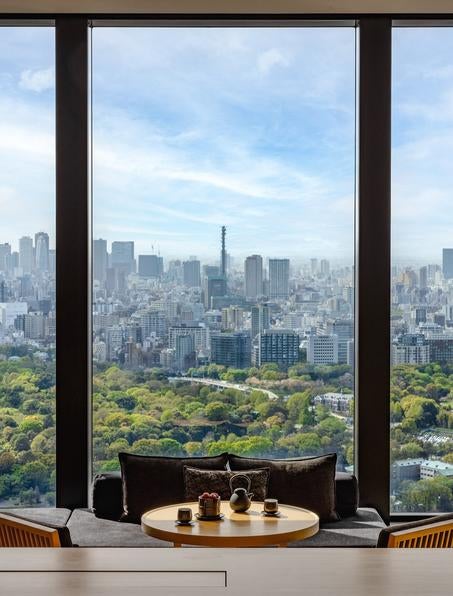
[241,498]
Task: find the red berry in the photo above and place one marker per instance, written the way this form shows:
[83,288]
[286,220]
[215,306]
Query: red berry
[205,495]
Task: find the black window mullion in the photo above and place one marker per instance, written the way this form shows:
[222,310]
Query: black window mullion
[72,262]
[373,264]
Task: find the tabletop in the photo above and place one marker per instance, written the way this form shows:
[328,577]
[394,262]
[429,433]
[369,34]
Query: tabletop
[231,572]
[250,528]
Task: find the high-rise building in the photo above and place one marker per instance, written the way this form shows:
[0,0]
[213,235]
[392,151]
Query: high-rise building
[123,256]
[185,356]
[5,257]
[232,318]
[214,287]
[322,349]
[199,333]
[211,271]
[423,276]
[325,267]
[411,349]
[314,266]
[191,273]
[26,255]
[150,266]
[100,261]
[114,341]
[278,279]
[261,319]
[278,346]
[153,322]
[42,251]
[3,291]
[231,349]
[253,273]
[447,263]
[344,330]
[440,350]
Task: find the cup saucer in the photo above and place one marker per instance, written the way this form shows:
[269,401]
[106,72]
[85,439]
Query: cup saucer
[181,523]
[270,514]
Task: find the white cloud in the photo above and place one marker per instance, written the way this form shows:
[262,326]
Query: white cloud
[270,58]
[37,80]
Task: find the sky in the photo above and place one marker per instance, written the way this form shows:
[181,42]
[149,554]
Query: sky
[245,127]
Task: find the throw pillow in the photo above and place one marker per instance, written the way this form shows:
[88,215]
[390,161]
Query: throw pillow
[150,482]
[304,482]
[198,481]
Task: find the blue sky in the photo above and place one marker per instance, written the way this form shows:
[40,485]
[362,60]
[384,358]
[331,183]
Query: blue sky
[251,128]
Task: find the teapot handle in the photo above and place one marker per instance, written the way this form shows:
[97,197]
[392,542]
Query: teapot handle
[249,482]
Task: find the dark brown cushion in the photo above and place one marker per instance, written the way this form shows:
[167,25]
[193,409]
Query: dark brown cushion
[107,496]
[150,482]
[307,482]
[198,481]
[384,535]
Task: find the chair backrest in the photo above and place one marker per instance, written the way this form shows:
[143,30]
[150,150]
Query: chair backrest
[16,532]
[435,532]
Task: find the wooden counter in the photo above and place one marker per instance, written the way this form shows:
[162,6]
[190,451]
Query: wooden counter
[245,572]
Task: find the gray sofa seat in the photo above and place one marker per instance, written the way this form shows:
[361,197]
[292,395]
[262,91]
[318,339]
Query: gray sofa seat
[360,530]
[42,515]
[88,530]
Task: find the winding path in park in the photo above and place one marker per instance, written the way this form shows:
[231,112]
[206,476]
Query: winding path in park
[224,385]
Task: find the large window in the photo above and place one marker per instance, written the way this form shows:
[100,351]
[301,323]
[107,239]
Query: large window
[422,271]
[27,267]
[223,239]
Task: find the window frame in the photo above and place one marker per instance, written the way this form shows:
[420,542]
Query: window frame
[372,256]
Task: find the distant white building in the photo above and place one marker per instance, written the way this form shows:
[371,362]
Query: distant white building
[420,469]
[402,354]
[198,332]
[322,349]
[336,402]
[9,311]
[99,351]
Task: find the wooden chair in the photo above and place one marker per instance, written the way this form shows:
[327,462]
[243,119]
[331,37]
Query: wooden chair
[19,532]
[434,532]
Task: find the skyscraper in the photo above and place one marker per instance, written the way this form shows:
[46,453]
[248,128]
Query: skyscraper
[423,276]
[279,346]
[150,265]
[42,251]
[213,287]
[231,349]
[191,273]
[100,260]
[123,256]
[447,263]
[261,319]
[322,349]
[314,266]
[26,254]
[5,257]
[185,356]
[278,279]
[253,272]
[325,267]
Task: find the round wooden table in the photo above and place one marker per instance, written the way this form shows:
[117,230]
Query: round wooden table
[251,528]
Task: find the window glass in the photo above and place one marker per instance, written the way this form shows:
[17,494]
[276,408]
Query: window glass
[223,222]
[27,267]
[422,271]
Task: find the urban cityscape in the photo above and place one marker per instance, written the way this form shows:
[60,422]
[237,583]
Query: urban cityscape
[251,355]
